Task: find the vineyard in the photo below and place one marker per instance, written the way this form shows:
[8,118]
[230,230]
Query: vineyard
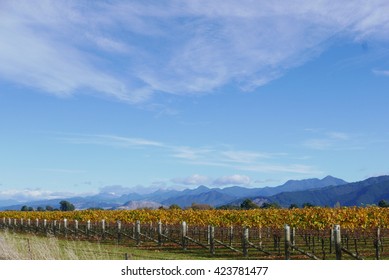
[314,218]
[309,233]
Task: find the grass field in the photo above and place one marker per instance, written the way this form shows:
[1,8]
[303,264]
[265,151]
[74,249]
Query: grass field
[25,246]
[20,246]
[28,246]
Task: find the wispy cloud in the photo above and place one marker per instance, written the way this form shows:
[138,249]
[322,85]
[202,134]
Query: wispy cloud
[44,47]
[218,156]
[332,140]
[381,72]
[176,47]
[190,153]
[108,140]
[319,144]
[110,45]
[244,156]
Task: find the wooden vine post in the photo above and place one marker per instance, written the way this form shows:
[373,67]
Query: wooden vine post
[184,229]
[45,229]
[231,234]
[54,226]
[287,242]
[331,239]
[87,228]
[245,241]
[65,226]
[36,225]
[137,233]
[103,226]
[377,244]
[119,229]
[338,242]
[75,228]
[211,234]
[159,233]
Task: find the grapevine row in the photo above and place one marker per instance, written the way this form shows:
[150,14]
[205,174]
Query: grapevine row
[308,218]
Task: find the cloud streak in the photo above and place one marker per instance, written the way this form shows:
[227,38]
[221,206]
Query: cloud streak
[175,47]
[108,140]
[196,180]
[332,140]
[202,156]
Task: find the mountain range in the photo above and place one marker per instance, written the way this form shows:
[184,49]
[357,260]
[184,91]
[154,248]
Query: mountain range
[369,191]
[322,192]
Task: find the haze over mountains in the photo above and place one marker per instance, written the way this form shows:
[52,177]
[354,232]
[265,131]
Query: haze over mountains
[321,192]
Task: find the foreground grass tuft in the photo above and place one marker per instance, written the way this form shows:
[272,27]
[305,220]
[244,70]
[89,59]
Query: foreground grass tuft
[16,246]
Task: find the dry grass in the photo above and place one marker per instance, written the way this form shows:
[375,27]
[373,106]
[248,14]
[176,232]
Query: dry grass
[20,246]
[32,247]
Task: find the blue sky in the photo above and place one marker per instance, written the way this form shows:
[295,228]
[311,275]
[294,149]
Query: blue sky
[174,94]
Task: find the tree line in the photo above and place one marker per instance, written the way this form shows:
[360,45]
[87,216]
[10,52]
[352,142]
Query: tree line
[64,205]
[249,204]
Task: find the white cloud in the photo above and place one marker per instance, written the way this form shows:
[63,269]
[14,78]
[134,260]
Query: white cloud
[32,194]
[176,47]
[195,180]
[232,180]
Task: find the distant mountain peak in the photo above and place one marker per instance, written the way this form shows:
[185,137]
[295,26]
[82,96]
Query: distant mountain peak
[331,177]
[330,180]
